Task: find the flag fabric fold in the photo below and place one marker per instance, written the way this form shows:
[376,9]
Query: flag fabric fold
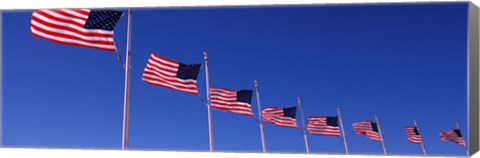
[323,125]
[413,135]
[77,27]
[167,73]
[237,102]
[367,128]
[283,117]
[453,135]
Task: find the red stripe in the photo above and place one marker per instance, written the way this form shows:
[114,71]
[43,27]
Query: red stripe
[176,84]
[71,15]
[74,44]
[89,34]
[171,82]
[249,113]
[111,43]
[159,85]
[169,60]
[72,30]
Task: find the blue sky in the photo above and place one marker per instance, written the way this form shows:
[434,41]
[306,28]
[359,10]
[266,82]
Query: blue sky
[399,62]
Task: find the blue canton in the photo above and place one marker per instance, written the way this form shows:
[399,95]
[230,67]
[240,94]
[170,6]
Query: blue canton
[102,19]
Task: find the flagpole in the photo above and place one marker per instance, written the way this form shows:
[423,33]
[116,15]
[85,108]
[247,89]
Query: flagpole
[381,135]
[466,148]
[260,120]
[423,145]
[126,108]
[343,131]
[1,82]
[303,125]
[210,128]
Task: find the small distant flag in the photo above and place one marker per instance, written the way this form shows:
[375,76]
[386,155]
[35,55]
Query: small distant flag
[283,117]
[323,125]
[367,128]
[453,135]
[237,102]
[413,135]
[77,27]
[171,74]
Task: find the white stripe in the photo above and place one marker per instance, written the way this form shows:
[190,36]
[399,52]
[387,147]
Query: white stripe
[164,62]
[230,107]
[66,32]
[159,75]
[215,96]
[168,85]
[67,40]
[223,94]
[75,19]
[75,13]
[230,103]
[190,85]
[81,29]
[152,65]
[223,90]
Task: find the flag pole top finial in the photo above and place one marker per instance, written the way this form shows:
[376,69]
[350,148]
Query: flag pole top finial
[205,55]
[256,83]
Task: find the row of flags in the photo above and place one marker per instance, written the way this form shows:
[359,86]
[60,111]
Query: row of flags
[94,29]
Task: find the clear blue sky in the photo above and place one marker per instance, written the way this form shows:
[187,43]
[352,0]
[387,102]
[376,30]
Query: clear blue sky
[400,62]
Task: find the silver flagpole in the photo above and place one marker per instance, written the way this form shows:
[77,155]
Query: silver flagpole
[423,145]
[303,125]
[343,131]
[466,148]
[126,107]
[381,135]
[260,119]
[1,82]
[210,127]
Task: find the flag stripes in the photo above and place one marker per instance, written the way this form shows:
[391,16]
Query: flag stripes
[277,116]
[453,135]
[72,27]
[367,128]
[231,101]
[323,125]
[413,135]
[171,74]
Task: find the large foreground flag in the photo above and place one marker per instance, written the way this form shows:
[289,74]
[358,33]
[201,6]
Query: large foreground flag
[77,27]
[283,117]
[413,135]
[171,74]
[237,102]
[323,125]
[453,135]
[367,128]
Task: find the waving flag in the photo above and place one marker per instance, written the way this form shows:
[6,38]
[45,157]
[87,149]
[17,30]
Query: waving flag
[413,135]
[367,128]
[283,117]
[453,135]
[171,74]
[237,102]
[77,27]
[323,125]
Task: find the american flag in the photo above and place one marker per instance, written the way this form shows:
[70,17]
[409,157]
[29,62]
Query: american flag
[283,117]
[413,135]
[453,135]
[323,125]
[367,128]
[171,74]
[237,102]
[77,27]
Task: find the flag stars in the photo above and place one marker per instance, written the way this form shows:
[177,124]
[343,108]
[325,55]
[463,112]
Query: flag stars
[105,20]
